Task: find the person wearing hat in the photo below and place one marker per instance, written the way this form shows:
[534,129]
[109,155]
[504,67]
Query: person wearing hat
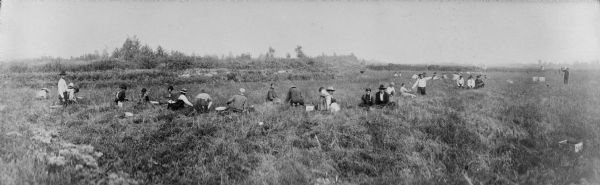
[121,98]
[382,98]
[237,103]
[479,82]
[62,88]
[294,96]
[367,99]
[565,75]
[332,102]
[421,83]
[404,92]
[272,95]
[42,94]
[470,82]
[181,101]
[203,102]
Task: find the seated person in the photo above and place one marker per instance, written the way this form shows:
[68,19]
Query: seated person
[181,101]
[405,92]
[237,103]
[382,98]
[479,82]
[203,102]
[367,99]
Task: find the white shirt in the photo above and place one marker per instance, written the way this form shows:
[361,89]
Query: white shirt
[471,82]
[403,90]
[185,100]
[460,82]
[421,82]
[62,87]
[390,90]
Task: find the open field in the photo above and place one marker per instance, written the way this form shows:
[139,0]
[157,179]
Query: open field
[506,133]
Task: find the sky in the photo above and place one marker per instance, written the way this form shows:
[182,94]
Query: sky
[388,31]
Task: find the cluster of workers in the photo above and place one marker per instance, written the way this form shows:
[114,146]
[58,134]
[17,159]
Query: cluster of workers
[177,100]
[471,83]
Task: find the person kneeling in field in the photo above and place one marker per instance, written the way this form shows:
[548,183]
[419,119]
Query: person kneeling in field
[479,82]
[203,102]
[181,101]
[405,92]
[294,97]
[120,99]
[272,95]
[367,99]
[237,103]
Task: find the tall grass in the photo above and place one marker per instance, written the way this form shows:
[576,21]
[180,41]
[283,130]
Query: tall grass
[502,134]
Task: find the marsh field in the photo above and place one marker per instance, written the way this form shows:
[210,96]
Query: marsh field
[505,133]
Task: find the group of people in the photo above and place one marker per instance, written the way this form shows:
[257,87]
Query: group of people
[294,98]
[471,83]
[67,94]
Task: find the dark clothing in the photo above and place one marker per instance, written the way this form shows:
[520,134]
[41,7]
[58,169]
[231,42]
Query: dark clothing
[179,104]
[144,97]
[566,76]
[121,96]
[479,83]
[297,103]
[201,105]
[295,96]
[421,90]
[271,95]
[384,101]
[367,100]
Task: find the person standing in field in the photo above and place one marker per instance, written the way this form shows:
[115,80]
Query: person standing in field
[294,97]
[237,103]
[367,99]
[421,83]
[470,82]
[382,98]
[272,95]
[404,92]
[460,82]
[566,75]
[62,88]
[181,101]
[120,97]
[203,102]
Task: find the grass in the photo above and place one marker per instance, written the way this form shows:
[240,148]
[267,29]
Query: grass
[502,134]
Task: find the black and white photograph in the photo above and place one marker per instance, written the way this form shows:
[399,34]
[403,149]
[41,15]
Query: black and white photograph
[306,92]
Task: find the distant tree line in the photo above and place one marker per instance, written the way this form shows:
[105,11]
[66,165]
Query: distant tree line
[416,67]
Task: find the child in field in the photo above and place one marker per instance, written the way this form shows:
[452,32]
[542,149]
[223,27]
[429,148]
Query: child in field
[333,105]
[272,95]
[71,97]
[144,98]
[470,82]
[324,99]
[404,92]
[120,97]
[367,99]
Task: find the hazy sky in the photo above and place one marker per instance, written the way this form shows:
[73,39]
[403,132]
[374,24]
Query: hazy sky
[400,32]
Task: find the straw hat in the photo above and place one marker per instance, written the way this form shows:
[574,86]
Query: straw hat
[382,87]
[330,88]
[242,90]
[368,89]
